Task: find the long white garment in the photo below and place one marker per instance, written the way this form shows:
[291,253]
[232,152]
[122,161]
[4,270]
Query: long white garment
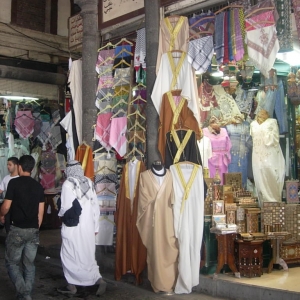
[78,242]
[75,80]
[185,81]
[205,149]
[188,225]
[267,161]
[106,231]
[66,123]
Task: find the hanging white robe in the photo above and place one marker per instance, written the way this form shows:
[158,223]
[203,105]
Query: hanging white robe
[78,243]
[185,81]
[66,123]
[267,161]
[75,80]
[205,149]
[188,225]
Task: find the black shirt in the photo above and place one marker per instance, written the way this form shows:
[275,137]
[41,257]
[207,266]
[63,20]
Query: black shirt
[26,194]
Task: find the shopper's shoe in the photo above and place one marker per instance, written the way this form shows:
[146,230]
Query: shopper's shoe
[70,289]
[102,287]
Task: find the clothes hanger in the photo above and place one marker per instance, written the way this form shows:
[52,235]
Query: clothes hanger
[229,6]
[112,58]
[107,190]
[259,9]
[124,50]
[133,151]
[122,101]
[137,98]
[136,124]
[104,109]
[106,168]
[121,62]
[108,95]
[109,44]
[122,89]
[124,40]
[202,19]
[198,34]
[139,85]
[120,81]
[106,71]
[260,22]
[137,112]
[136,136]
[118,112]
[99,149]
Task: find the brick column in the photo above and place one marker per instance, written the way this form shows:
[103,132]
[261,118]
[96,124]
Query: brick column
[152,20]
[89,13]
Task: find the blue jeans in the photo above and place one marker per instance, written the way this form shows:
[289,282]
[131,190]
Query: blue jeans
[21,247]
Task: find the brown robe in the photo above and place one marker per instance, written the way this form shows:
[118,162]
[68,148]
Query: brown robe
[85,156]
[186,120]
[130,252]
[156,226]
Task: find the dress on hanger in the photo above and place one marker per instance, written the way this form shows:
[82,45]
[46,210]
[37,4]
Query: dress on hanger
[155,223]
[174,111]
[85,156]
[267,161]
[221,157]
[131,254]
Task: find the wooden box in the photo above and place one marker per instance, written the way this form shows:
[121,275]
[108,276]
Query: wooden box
[233,179]
[249,257]
[292,191]
[290,252]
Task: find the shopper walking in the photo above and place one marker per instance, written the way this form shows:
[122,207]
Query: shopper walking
[25,200]
[12,167]
[80,215]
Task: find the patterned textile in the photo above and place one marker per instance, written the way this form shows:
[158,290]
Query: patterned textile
[106,189]
[241,25]
[47,180]
[200,53]
[227,105]
[219,37]
[108,178]
[200,23]
[103,98]
[263,47]
[122,73]
[102,130]
[239,46]
[24,123]
[117,137]
[105,58]
[37,125]
[55,136]
[118,103]
[105,81]
[257,22]
[244,100]
[230,51]
[226,42]
[240,149]
[105,70]
[233,21]
[296,7]
[140,49]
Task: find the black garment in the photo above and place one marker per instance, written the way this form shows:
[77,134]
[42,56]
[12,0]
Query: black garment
[71,216]
[190,153]
[26,194]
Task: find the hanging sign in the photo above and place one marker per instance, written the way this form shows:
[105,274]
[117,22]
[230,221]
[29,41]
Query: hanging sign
[75,32]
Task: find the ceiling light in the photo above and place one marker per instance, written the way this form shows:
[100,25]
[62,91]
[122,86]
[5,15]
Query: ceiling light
[18,98]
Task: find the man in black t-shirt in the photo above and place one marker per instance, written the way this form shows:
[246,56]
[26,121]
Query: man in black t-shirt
[25,200]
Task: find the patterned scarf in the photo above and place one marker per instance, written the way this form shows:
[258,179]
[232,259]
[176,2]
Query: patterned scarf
[219,37]
[238,36]
[75,174]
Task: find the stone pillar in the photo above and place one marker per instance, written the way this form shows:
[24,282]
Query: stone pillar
[152,20]
[89,13]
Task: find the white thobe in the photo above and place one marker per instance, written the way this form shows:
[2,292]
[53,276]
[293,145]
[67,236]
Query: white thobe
[267,161]
[205,149]
[188,226]
[185,82]
[78,243]
[66,123]
[75,80]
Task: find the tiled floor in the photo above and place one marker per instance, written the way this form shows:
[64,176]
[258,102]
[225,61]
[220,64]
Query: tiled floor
[277,279]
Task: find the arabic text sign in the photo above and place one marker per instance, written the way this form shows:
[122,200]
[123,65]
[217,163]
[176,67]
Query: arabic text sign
[75,31]
[112,9]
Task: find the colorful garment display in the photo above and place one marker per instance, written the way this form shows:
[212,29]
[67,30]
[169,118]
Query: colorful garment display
[267,161]
[102,130]
[221,157]
[117,137]
[140,49]
[219,37]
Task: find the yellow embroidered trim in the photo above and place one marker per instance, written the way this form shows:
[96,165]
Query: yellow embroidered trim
[85,158]
[180,146]
[174,31]
[175,69]
[176,110]
[186,186]
[127,179]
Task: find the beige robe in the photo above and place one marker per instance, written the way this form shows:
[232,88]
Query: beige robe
[172,39]
[155,223]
